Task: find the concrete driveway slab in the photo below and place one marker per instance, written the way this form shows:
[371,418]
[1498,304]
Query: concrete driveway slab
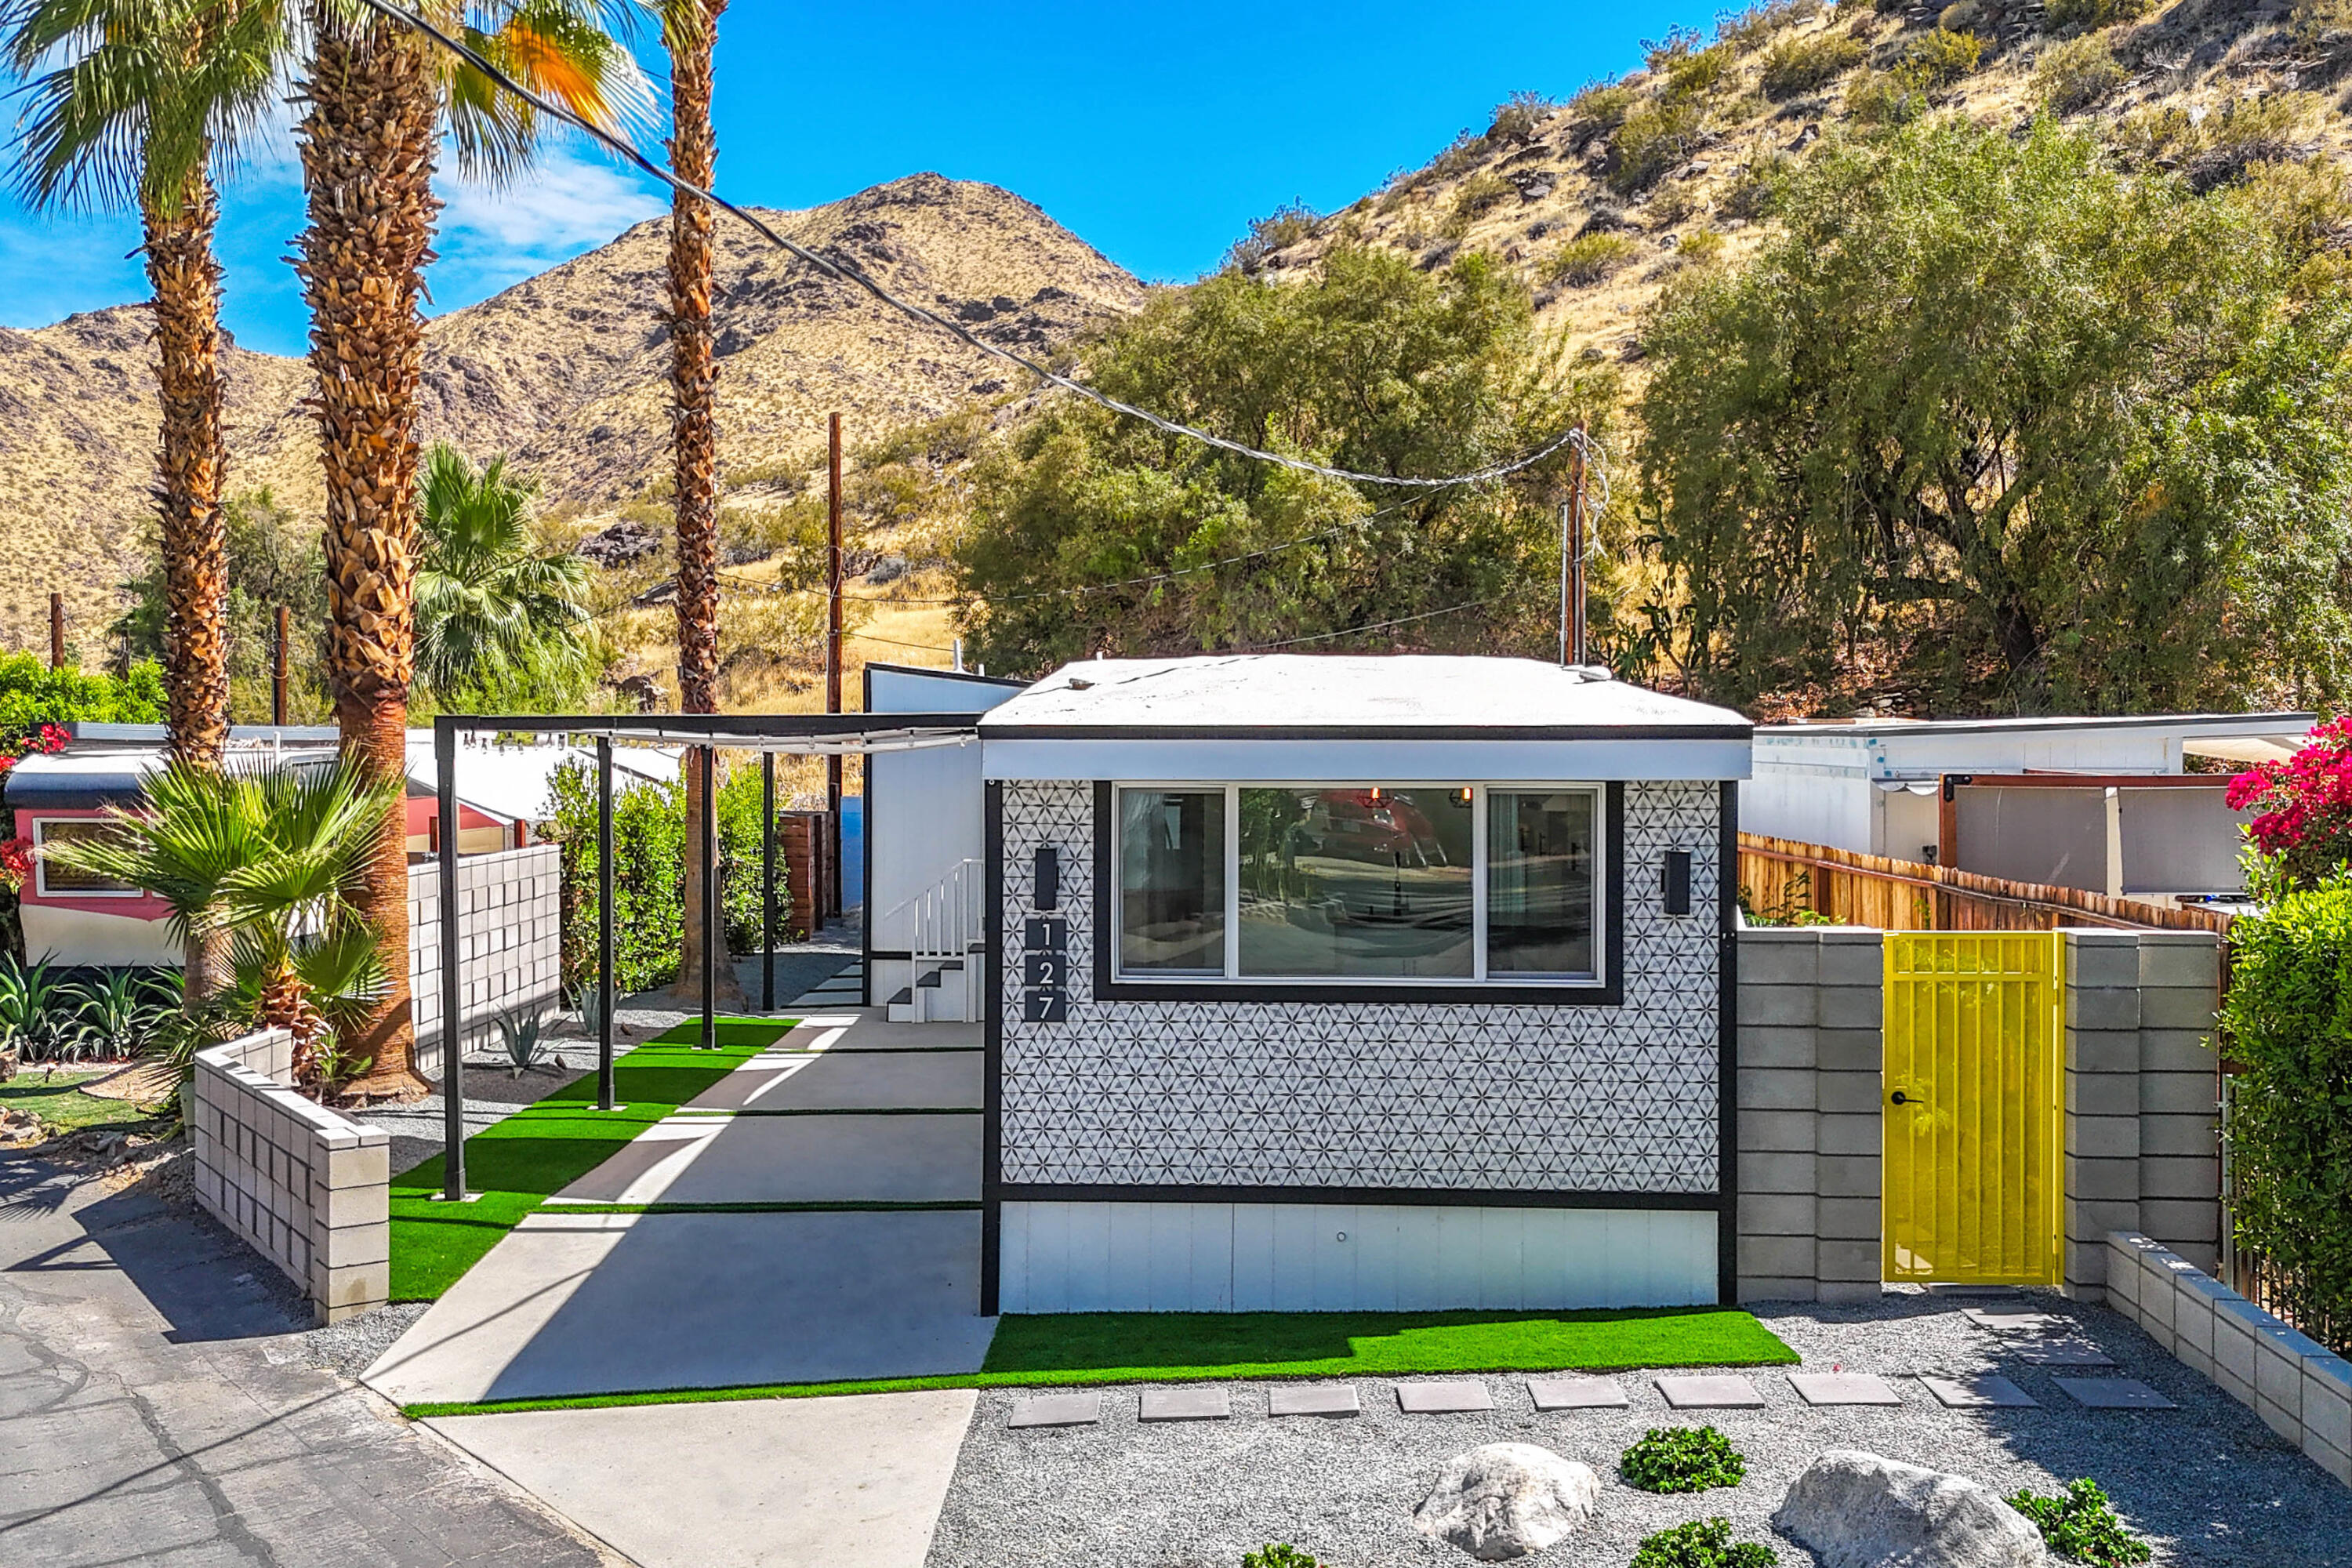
[849,1482]
[846,1158]
[571,1304]
[867,1080]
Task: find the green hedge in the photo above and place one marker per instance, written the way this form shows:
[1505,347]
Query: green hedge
[2287,1025]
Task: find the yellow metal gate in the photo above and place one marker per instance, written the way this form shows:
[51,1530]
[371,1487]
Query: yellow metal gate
[1975,1106]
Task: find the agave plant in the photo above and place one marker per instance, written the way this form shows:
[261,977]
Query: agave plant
[271,857]
[119,1010]
[526,1038]
[36,1012]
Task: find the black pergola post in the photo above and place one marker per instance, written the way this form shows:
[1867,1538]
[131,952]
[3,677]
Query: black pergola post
[453,991]
[767,882]
[605,923]
[710,897]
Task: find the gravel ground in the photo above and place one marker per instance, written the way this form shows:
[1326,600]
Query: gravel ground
[2209,1484]
[352,1346]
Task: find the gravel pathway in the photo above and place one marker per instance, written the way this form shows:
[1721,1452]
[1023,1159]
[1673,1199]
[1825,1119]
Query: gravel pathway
[2207,1483]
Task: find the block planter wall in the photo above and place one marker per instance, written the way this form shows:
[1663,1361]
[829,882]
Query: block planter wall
[308,1188]
[510,925]
[1811,1010]
[2300,1389]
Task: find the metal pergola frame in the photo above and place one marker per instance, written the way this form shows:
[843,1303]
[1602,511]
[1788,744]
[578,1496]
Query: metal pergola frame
[799,734]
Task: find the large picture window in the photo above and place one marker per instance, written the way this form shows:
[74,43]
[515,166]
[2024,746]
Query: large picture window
[1447,884]
[58,880]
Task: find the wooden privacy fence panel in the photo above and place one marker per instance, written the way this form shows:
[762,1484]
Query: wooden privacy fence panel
[1780,878]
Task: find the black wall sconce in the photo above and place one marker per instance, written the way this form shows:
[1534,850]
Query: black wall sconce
[1677,888]
[1045,888]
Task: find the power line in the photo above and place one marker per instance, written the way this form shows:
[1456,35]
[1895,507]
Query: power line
[848,271]
[1375,626]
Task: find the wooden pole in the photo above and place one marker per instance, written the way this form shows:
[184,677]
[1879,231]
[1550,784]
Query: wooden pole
[829,899]
[277,668]
[1574,628]
[57,630]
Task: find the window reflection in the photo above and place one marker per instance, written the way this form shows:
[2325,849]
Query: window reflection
[1539,892]
[1372,882]
[1172,881]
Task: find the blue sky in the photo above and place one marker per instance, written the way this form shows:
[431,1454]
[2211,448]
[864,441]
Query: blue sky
[1154,132]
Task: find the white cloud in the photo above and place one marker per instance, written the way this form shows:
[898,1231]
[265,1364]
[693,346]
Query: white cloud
[494,235]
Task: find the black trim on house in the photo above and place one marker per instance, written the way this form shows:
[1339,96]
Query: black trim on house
[865,853]
[1403,1197]
[1617,733]
[1726,1072]
[991,1012]
[1609,993]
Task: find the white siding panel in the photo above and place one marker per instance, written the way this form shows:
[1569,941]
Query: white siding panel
[1217,1257]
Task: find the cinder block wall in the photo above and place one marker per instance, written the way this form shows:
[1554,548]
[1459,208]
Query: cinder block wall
[1811,1008]
[308,1188]
[2143,1150]
[509,929]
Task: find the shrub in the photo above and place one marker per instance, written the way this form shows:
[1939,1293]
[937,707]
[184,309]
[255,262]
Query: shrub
[33,695]
[2081,1527]
[2287,1026]
[1284,227]
[1697,71]
[1702,1543]
[1683,1459]
[2301,827]
[1598,109]
[1479,194]
[1278,1554]
[1885,98]
[1698,247]
[648,878]
[1750,28]
[1942,57]
[1795,66]
[1655,137]
[2090,16]
[2078,73]
[1518,117]
[1588,258]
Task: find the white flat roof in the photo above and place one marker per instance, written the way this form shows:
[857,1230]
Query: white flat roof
[2218,725]
[1398,695]
[1403,718]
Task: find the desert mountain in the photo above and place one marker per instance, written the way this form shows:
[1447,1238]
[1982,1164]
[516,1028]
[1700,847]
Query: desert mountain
[568,372]
[1600,200]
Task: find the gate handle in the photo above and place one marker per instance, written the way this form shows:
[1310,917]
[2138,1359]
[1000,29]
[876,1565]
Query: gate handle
[1902,1099]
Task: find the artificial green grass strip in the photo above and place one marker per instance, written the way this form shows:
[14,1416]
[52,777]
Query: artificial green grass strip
[516,1164]
[845,1206]
[1095,1348]
[729,1030]
[839,1111]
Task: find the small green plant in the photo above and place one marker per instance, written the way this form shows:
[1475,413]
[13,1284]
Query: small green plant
[2089,15]
[1599,110]
[1480,194]
[2081,1526]
[525,1039]
[1277,1554]
[1702,1543]
[1698,247]
[333,1067]
[1942,57]
[1518,117]
[1885,98]
[1588,258]
[2074,76]
[1683,1459]
[1795,67]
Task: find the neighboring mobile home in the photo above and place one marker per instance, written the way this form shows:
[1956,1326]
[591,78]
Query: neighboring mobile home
[1337,982]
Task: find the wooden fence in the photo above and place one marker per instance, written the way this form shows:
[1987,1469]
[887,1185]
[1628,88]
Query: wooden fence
[1782,878]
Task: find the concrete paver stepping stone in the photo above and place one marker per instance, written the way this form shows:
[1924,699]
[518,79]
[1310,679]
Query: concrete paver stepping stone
[2015,1321]
[1844,1388]
[2059,1352]
[2113,1394]
[1315,1399]
[1442,1398]
[1710,1391]
[1577,1394]
[1989,1392]
[1057,1410]
[1187,1404]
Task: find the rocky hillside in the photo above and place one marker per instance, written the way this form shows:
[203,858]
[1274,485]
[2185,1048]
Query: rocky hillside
[567,371]
[1603,198]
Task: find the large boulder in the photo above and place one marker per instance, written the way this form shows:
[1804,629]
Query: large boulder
[1857,1510]
[1506,1499]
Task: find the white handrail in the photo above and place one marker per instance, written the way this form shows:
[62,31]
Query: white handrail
[946,915]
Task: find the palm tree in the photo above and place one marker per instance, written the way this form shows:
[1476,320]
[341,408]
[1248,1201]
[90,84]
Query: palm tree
[141,102]
[377,92]
[492,612]
[269,859]
[690,30]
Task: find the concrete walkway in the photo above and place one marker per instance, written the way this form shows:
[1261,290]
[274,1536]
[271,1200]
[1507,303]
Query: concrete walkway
[157,1408]
[846,1109]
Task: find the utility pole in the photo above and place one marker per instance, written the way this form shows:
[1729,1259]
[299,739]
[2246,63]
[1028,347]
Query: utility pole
[57,630]
[1571,557]
[278,672]
[831,893]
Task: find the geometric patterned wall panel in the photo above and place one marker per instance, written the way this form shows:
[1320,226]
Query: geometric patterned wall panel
[1418,1094]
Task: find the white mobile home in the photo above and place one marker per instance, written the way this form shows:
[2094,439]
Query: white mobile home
[1366,982]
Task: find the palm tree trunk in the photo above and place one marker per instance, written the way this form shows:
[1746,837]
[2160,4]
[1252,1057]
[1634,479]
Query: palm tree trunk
[690,30]
[185,276]
[368,144]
